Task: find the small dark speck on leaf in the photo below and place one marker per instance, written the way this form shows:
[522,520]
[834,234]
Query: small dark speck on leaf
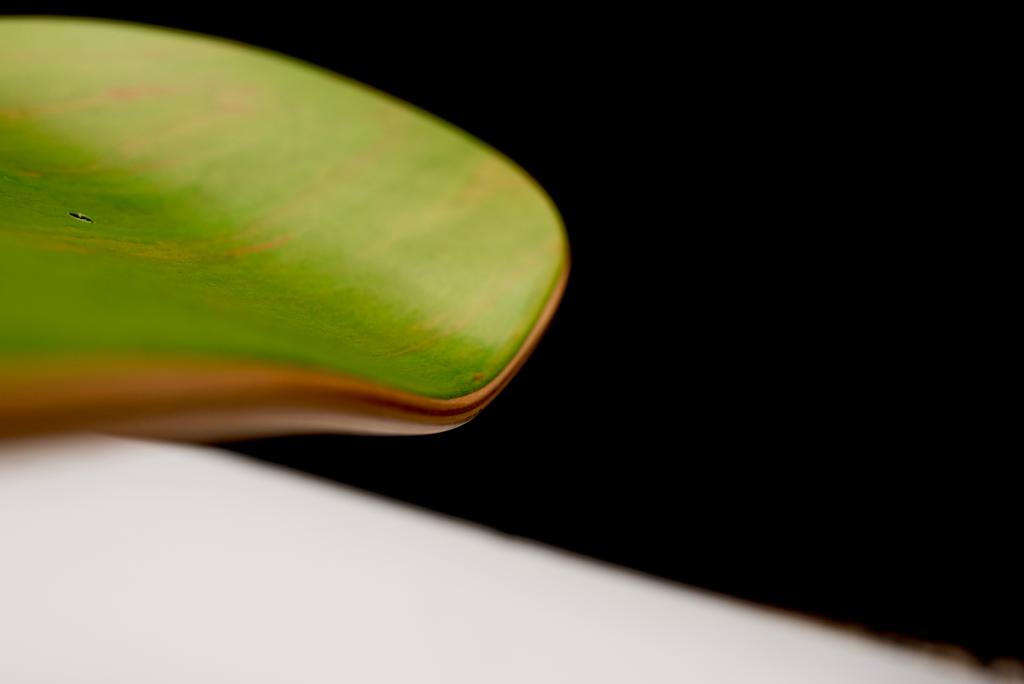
[80,217]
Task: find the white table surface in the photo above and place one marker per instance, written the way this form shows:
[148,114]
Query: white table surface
[138,562]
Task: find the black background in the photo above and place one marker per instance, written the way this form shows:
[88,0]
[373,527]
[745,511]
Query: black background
[734,393]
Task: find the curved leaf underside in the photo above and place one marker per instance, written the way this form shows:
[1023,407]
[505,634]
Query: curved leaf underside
[174,200]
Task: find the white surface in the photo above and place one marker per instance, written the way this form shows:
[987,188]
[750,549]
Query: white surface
[142,563]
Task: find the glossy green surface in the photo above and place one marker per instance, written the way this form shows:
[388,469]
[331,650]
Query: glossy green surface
[245,205]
